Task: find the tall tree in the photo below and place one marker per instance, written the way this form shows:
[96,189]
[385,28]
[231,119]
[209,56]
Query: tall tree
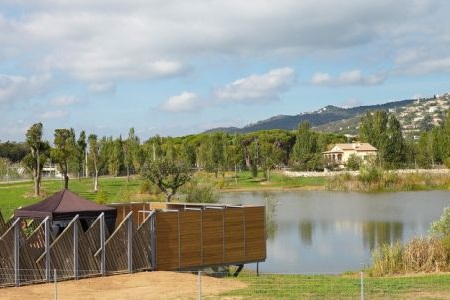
[167,175]
[305,153]
[384,133]
[130,149]
[81,153]
[37,155]
[63,151]
[94,157]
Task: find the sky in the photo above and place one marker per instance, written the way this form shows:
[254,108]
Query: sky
[175,68]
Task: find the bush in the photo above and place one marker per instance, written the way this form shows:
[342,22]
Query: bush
[370,173]
[101,197]
[354,162]
[200,193]
[441,227]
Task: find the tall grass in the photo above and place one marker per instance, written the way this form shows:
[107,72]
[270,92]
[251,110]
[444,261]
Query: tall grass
[380,180]
[426,254]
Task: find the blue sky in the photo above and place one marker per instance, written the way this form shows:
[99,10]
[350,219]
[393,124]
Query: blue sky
[180,67]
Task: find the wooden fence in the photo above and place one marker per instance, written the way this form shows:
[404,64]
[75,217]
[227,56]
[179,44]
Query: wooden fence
[179,237]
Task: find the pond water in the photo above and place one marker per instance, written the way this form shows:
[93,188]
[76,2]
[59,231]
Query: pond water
[332,232]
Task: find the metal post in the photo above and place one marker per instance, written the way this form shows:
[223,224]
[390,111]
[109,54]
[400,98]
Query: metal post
[362,285]
[199,282]
[16,252]
[130,242]
[153,240]
[75,247]
[47,249]
[102,245]
[56,285]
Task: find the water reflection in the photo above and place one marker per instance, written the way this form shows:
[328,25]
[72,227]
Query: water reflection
[306,232]
[271,211]
[376,234]
[324,232]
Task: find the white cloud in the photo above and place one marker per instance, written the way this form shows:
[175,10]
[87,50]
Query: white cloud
[53,114]
[353,77]
[102,87]
[20,88]
[109,40]
[186,101]
[64,101]
[257,88]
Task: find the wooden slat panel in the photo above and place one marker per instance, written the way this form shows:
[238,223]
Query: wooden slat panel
[255,243]
[167,245]
[234,235]
[213,237]
[190,231]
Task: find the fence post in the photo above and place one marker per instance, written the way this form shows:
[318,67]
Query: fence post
[130,242]
[362,285]
[75,247]
[102,244]
[56,284]
[47,249]
[199,283]
[17,252]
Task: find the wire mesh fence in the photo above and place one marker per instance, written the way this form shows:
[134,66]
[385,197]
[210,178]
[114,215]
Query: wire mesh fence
[219,283]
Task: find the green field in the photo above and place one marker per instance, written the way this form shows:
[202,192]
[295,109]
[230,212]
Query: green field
[342,287]
[117,189]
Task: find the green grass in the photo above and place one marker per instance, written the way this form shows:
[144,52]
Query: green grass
[277,180]
[15,195]
[341,286]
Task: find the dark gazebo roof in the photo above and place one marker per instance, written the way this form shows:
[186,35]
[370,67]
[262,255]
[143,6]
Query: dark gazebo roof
[65,205]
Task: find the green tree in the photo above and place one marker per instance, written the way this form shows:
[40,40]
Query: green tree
[37,156]
[63,151]
[80,153]
[130,150]
[395,146]
[167,175]
[305,153]
[94,157]
[384,133]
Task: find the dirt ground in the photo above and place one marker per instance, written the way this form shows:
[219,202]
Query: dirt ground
[144,285]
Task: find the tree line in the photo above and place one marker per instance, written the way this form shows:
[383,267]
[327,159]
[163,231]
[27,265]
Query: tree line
[85,155]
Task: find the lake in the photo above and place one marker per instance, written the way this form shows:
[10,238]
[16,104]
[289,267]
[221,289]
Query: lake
[311,232]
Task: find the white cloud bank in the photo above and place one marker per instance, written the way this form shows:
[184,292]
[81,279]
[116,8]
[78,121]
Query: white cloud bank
[64,101]
[102,41]
[257,88]
[20,88]
[353,77]
[185,102]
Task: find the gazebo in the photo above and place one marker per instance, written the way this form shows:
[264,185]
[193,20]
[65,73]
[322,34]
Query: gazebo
[63,206]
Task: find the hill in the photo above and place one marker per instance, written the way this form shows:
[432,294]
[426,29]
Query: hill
[414,115]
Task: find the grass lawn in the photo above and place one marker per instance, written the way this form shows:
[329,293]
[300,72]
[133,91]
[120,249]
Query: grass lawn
[117,189]
[14,195]
[342,286]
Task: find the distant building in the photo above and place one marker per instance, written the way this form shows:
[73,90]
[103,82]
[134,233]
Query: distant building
[51,171]
[340,153]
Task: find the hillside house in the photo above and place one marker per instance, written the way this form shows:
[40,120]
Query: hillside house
[340,153]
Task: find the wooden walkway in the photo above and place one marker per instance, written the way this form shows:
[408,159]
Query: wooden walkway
[178,237]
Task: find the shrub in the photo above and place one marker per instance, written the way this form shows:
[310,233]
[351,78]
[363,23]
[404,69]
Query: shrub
[101,197]
[200,193]
[354,162]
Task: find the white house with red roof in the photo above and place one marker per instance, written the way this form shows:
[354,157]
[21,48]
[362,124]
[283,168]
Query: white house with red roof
[340,153]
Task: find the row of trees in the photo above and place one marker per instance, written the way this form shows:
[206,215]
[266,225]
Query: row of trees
[219,152]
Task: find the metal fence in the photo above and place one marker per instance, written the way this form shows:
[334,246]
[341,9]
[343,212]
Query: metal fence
[210,284]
